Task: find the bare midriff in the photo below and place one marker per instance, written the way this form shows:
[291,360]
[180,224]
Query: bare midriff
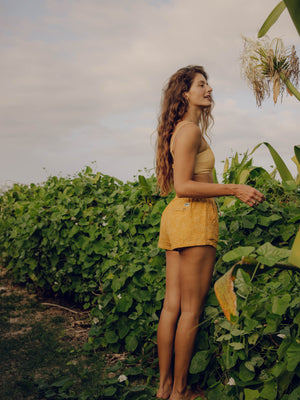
[205,178]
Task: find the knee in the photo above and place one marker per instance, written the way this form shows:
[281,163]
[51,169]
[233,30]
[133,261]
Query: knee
[172,309]
[192,316]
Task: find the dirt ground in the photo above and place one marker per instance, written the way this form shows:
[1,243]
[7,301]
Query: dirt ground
[39,336]
[75,321]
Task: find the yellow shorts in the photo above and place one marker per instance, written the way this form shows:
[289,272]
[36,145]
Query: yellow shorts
[188,222]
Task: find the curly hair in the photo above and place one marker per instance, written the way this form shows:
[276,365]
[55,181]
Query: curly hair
[174,105]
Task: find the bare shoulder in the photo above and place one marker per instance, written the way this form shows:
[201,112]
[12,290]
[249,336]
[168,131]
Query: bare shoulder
[189,134]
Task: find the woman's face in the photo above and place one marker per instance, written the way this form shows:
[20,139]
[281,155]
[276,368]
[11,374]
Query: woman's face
[199,93]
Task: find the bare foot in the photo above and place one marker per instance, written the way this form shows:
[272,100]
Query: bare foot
[164,391]
[187,395]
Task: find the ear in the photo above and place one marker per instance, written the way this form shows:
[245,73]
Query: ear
[186,96]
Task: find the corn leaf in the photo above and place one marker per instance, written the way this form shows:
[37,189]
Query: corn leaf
[226,166]
[294,257]
[293,7]
[297,163]
[291,88]
[297,152]
[272,18]
[244,176]
[215,176]
[280,164]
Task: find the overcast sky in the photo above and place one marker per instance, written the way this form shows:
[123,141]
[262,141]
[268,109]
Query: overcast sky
[81,82]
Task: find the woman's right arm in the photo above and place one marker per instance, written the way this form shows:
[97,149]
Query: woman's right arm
[186,148]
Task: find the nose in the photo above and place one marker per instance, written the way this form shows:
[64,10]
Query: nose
[209,89]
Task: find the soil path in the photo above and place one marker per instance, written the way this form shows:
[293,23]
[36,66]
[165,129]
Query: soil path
[37,335]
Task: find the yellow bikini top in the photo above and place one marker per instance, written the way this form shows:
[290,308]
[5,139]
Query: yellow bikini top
[205,159]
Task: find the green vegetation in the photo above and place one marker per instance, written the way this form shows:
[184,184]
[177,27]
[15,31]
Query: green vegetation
[93,239]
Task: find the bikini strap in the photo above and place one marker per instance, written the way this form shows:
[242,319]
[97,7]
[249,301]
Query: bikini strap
[179,125]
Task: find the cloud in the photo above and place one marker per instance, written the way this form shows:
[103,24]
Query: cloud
[81,81]
[239,129]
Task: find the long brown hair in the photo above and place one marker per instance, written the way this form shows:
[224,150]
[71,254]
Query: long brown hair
[174,105]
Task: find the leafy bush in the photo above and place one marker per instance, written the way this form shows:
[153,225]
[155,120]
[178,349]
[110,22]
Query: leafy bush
[94,238]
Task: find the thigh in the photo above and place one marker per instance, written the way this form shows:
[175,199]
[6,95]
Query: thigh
[196,269]
[172,296]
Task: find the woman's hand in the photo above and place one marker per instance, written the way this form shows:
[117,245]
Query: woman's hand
[248,195]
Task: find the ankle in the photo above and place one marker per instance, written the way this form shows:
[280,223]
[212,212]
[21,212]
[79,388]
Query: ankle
[168,381]
[179,391]
[180,385]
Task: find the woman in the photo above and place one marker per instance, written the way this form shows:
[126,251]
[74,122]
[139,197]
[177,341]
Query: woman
[189,225]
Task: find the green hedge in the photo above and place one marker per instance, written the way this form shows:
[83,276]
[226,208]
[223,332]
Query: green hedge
[94,239]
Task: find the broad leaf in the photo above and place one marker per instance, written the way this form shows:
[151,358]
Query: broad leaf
[251,394]
[225,294]
[270,255]
[293,356]
[200,361]
[269,391]
[238,253]
[281,303]
[131,342]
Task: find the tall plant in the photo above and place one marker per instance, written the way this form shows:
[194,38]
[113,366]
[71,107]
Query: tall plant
[267,64]
[268,67]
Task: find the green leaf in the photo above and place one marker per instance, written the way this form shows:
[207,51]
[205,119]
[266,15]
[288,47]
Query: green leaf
[200,361]
[243,283]
[111,337]
[294,257]
[280,164]
[123,326]
[238,253]
[266,221]
[252,339]
[295,395]
[272,323]
[293,7]
[271,19]
[270,255]
[229,356]
[131,342]
[249,221]
[256,361]
[251,394]
[146,188]
[293,355]
[237,345]
[297,153]
[278,369]
[281,303]
[269,391]
[245,375]
[124,303]
[160,294]
[109,391]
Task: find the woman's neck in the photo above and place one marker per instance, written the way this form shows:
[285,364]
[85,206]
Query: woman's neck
[193,115]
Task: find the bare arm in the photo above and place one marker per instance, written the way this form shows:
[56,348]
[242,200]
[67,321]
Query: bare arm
[187,143]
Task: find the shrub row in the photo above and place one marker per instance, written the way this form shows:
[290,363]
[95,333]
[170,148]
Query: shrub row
[94,239]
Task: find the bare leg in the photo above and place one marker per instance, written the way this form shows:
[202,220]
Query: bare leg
[167,324]
[196,268]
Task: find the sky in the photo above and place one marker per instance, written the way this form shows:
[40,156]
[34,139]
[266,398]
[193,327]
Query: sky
[81,83]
